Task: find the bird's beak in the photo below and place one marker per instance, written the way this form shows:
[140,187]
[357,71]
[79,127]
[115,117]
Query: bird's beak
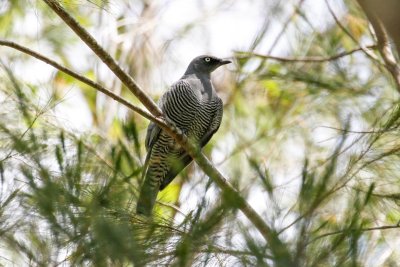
[224,61]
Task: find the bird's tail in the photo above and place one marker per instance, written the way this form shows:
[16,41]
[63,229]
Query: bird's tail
[148,194]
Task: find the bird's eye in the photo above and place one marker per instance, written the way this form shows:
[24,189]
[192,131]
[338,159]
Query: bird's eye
[207,59]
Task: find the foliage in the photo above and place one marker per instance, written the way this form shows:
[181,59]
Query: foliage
[312,145]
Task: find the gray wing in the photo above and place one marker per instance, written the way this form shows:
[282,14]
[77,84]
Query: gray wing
[153,131]
[216,122]
[185,159]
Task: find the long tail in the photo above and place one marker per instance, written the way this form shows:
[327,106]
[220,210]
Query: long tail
[148,191]
[147,197]
[157,175]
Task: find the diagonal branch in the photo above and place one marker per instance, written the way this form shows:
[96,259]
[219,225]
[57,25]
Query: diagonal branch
[278,248]
[127,80]
[81,78]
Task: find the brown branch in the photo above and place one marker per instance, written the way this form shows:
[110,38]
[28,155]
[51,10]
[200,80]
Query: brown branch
[278,248]
[81,78]
[127,80]
[306,59]
[383,43]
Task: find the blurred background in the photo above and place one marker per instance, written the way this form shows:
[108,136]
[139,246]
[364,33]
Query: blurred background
[309,136]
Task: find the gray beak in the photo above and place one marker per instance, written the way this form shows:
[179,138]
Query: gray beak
[224,61]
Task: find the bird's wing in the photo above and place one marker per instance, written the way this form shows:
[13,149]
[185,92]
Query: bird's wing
[172,104]
[153,131]
[185,159]
[216,122]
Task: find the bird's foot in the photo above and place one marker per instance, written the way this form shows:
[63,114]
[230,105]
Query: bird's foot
[173,126]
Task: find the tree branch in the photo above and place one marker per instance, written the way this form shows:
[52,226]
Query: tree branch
[81,78]
[127,80]
[278,248]
[306,59]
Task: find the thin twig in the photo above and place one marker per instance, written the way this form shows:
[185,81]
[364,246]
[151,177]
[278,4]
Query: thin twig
[393,196]
[358,132]
[343,28]
[306,59]
[386,227]
[172,206]
[279,36]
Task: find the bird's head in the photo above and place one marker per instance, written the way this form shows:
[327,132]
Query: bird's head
[205,64]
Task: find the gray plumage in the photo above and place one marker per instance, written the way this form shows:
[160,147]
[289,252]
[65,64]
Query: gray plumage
[194,107]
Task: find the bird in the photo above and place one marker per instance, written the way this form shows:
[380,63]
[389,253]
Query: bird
[193,106]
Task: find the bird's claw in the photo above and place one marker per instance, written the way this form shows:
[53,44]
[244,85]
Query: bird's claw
[173,126]
[178,131]
[169,122]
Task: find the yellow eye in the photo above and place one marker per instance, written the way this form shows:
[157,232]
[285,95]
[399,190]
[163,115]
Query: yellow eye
[207,59]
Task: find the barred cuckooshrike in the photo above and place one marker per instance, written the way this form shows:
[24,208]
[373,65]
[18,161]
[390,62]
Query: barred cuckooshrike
[193,106]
